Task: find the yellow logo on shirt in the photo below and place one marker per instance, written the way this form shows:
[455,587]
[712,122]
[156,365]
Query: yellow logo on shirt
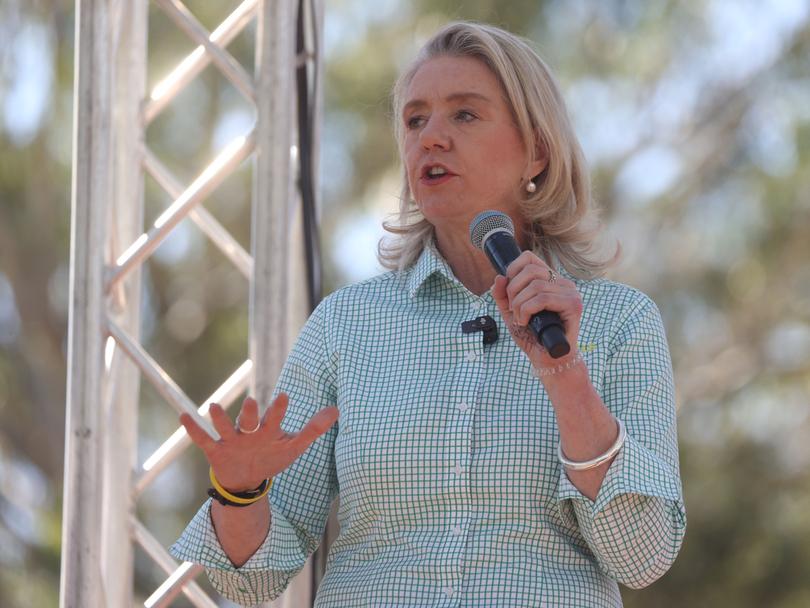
[587,348]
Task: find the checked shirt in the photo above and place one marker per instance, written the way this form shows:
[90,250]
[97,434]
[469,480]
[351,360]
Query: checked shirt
[444,457]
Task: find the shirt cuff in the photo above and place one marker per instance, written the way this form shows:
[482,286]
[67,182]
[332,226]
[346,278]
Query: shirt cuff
[634,470]
[282,549]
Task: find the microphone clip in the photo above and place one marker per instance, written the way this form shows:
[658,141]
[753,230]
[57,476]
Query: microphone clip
[485,324]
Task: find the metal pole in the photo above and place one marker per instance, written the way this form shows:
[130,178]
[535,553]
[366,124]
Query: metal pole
[314,45]
[272,193]
[91,188]
[122,378]
[271,319]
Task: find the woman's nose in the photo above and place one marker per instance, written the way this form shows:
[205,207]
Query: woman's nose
[434,134]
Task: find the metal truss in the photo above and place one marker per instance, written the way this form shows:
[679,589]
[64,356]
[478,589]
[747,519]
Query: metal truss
[106,360]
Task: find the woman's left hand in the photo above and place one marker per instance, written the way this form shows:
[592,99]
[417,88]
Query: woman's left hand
[526,290]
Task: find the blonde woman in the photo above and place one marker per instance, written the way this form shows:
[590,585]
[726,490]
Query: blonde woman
[471,472]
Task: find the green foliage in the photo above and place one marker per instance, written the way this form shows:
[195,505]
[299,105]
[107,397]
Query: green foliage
[691,89]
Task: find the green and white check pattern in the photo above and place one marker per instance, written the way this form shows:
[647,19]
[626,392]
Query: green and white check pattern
[444,458]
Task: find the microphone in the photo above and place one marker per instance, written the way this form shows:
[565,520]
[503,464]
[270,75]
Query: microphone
[494,233]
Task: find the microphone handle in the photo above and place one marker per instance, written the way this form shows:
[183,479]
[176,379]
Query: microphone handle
[502,249]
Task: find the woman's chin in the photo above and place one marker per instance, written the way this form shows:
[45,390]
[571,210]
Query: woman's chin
[438,215]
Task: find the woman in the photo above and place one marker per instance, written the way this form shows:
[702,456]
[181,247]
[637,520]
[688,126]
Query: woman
[469,474]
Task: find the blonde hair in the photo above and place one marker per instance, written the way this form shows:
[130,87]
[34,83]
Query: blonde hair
[562,217]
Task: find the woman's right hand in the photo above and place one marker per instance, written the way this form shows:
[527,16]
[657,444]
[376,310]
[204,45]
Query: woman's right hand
[242,460]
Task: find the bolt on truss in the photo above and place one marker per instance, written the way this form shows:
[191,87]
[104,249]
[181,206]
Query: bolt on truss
[106,360]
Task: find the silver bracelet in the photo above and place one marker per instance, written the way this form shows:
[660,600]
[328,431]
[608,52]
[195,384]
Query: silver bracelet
[595,462]
[550,371]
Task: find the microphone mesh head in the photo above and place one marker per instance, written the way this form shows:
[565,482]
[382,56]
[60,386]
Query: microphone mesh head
[487,221]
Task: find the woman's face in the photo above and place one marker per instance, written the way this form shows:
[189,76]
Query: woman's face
[463,153]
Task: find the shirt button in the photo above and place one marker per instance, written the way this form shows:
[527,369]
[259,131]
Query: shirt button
[459,470]
[457,530]
[448,591]
[463,407]
[471,356]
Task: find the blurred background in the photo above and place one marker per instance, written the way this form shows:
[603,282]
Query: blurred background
[695,119]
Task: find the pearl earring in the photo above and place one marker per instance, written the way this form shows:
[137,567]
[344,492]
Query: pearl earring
[531,187]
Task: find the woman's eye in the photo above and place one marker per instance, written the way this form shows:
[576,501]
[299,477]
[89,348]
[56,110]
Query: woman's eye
[465,116]
[413,122]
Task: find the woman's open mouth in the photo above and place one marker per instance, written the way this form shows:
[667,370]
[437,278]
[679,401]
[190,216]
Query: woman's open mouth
[435,180]
[433,175]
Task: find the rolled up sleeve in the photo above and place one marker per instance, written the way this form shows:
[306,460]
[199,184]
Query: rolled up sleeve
[301,495]
[636,524]
[264,576]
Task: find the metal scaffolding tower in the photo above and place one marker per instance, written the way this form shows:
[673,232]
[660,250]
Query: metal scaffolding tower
[109,244]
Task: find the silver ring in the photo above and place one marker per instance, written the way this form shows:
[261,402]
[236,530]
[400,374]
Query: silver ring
[552,276]
[241,430]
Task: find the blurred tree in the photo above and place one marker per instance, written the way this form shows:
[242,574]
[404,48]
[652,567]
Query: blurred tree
[695,118]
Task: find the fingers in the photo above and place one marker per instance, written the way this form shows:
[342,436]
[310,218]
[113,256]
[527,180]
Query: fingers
[499,288]
[321,422]
[528,278]
[248,419]
[275,413]
[527,303]
[524,259]
[537,275]
[317,426]
[222,423]
[501,298]
[202,439]
[521,280]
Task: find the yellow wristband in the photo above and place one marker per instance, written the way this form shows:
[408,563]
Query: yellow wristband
[240,500]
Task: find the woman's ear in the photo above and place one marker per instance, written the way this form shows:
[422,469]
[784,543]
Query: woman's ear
[540,159]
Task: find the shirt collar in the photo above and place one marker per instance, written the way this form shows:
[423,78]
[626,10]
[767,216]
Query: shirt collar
[429,263]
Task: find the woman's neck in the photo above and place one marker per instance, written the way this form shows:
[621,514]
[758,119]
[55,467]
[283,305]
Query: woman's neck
[469,265]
